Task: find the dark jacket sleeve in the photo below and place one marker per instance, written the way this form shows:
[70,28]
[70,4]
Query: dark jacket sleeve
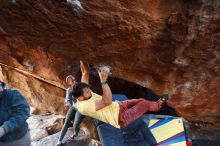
[68,99]
[20,110]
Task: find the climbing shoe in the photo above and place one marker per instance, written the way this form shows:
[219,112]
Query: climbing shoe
[164,98]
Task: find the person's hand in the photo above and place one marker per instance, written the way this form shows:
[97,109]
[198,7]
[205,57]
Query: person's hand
[67,105]
[103,74]
[2,132]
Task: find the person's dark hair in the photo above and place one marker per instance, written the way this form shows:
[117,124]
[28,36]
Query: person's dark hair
[78,89]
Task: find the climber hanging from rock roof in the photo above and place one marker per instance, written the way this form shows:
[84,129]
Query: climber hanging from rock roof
[116,113]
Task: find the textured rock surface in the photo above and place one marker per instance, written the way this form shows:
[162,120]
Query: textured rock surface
[168,46]
[81,140]
[45,131]
[42,126]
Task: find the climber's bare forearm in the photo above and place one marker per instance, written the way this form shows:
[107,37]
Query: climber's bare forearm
[85,72]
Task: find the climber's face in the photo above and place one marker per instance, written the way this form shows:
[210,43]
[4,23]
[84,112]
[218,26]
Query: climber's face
[71,82]
[87,93]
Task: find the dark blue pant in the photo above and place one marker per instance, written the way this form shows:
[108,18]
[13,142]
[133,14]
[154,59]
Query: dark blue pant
[72,113]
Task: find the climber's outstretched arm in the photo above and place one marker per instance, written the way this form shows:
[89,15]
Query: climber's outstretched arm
[84,66]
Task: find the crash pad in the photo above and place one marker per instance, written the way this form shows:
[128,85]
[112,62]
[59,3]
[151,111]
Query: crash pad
[168,131]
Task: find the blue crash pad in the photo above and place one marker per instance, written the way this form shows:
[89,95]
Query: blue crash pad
[119,97]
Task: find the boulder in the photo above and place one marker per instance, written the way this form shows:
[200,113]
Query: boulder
[170,47]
